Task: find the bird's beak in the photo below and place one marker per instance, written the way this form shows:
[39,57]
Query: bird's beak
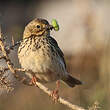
[49,27]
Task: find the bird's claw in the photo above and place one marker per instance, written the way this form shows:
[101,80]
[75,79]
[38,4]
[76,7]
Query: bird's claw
[55,95]
[33,81]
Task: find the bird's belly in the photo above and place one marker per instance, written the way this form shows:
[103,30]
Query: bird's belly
[42,65]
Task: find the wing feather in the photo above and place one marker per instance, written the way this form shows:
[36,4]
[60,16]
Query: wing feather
[54,43]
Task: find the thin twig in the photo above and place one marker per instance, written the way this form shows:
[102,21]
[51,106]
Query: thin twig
[2,57]
[12,40]
[9,63]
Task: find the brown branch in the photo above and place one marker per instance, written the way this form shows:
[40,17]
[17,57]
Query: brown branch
[2,57]
[41,86]
[60,100]
[4,83]
[9,63]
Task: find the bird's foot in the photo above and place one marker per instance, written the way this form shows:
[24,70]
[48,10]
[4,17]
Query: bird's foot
[33,81]
[55,95]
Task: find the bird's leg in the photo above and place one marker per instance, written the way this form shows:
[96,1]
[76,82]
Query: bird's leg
[55,92]
[33,80]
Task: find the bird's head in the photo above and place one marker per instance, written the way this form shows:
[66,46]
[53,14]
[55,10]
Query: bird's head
[37,27]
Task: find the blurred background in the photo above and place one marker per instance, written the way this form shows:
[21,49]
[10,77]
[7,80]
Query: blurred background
[84,37]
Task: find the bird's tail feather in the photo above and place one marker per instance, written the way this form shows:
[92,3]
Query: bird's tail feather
[71,81]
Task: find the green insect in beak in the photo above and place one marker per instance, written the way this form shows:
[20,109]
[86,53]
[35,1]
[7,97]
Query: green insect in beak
[55,25]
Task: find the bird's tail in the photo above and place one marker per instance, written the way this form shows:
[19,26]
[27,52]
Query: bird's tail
[71,81]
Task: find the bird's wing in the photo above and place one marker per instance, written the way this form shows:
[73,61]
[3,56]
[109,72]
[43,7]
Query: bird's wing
[53,42]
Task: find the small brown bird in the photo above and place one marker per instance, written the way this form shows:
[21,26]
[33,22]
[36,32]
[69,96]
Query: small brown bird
[40,53]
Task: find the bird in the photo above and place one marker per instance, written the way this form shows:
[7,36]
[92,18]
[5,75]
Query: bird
[40,53]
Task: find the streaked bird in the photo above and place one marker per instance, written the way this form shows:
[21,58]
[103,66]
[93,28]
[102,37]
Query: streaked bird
[40,53]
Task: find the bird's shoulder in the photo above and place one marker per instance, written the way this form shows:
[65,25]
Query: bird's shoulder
[54,43]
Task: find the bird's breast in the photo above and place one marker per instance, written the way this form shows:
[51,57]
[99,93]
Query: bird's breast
[40,58]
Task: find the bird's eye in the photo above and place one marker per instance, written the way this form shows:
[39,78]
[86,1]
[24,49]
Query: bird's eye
[38,26]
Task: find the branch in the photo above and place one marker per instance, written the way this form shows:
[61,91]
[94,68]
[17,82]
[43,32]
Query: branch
[41,86]
[60,100]
[9,63]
